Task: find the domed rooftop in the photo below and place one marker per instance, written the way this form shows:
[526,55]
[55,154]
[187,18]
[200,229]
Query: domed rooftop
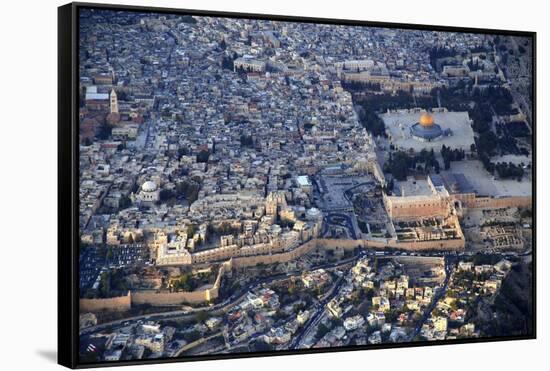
[313,213]
[149,186]
[426,129]
[426,119]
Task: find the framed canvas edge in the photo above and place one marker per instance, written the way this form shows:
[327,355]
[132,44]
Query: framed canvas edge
[68,170]
[67,192]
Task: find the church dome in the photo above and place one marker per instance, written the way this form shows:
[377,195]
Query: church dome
[149,186]
[426,120]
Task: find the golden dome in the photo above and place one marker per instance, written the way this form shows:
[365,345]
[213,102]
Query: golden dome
[426,119]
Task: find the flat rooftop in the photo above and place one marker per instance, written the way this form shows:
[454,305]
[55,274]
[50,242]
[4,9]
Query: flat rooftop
[484,184]
[414,187]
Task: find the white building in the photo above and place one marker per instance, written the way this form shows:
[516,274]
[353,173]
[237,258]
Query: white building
[353,323]
[149,192]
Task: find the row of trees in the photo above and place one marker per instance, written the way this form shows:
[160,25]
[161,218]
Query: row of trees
[227,61]
[189,189]
[359,86]
[383,102]
[509,170]
[449,155]
[111,283]
[400,164]
[372,122]
[439,52]
[184,283]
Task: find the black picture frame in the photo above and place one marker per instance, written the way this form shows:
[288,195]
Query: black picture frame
[68,162]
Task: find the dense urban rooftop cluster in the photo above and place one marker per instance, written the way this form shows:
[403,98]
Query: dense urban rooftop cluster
[250,185]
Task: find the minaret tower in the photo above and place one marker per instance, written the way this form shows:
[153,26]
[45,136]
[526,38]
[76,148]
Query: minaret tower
[114,102]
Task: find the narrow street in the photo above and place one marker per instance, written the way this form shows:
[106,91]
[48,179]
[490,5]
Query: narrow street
[449,266]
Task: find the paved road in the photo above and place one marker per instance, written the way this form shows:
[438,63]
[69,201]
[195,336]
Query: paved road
[450,259]
[313,321]
[220,307]
[316,318]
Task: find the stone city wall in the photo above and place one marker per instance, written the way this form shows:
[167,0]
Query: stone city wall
[450,245]
[156,298]
[348,245]
[333,244]
[247,261]
[416,207]
[120,303]
[503,202]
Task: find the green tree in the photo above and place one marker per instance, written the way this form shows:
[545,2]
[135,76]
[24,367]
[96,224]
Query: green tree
[203,156]
[202,316]
[322,330]
[109,254]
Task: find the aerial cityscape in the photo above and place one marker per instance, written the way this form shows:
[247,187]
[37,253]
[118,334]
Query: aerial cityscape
[256,185]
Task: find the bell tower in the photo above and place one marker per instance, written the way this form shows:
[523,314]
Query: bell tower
[114,101]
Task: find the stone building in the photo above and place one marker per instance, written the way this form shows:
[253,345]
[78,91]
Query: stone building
[149,193]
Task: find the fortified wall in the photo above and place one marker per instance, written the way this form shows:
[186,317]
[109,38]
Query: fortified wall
[247,261]
[166,298]
[156,298]
[160,298]
[448,245]
[416,206]
[503,202]
[119,303]
[349,245]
